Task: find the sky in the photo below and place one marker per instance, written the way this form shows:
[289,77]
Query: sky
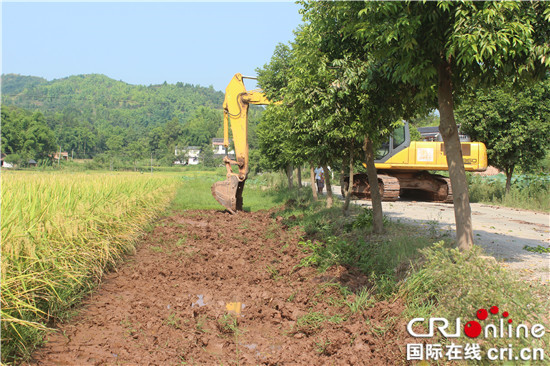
[202,43]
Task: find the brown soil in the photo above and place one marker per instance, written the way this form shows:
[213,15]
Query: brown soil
[206,287]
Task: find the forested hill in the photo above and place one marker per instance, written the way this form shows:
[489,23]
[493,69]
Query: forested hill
[103,100]
[14,84]
[94,114]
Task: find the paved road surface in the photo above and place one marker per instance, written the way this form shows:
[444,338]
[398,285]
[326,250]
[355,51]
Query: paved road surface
[502,232]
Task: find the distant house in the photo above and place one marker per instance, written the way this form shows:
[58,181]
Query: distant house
[429,133]
[64,155]
[3,163]
[192,153]
[220,150]
[187,156]
[432,134]
[181,156]
[32,162]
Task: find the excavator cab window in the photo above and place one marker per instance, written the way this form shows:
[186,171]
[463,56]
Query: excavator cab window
[398,141]
[383,150]
[398,136]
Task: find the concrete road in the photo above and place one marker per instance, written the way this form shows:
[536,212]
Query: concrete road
[502,232]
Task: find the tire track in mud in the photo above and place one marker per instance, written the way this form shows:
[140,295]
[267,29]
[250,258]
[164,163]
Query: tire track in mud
[207,287]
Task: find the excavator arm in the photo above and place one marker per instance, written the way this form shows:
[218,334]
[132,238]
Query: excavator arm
[235,114]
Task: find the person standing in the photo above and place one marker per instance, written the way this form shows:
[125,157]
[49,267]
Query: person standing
[320,179]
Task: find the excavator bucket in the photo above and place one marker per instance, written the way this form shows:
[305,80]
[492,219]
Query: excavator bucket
[229,193]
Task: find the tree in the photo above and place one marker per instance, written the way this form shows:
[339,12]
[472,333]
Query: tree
[340,100]
[442,48]
[207,156]
[84,111]
[274,132]
[514,125]
[26,135]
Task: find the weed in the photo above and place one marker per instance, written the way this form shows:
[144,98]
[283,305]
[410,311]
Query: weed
[201,323]
[309,323]
[244,225]
[291,297]
[363,300]
[321,347]
[173,321]
[273,273]
[228,324]
[365,220]
[181,241]
[537,249]
[527,191]
[129,328]
[156,249]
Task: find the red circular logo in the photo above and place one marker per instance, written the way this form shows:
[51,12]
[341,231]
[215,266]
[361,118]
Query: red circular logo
[472,329]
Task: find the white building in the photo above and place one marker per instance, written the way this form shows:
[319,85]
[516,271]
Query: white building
[187,156]
[219,149]
[190,154]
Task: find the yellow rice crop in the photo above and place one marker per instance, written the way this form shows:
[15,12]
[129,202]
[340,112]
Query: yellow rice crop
[60,232]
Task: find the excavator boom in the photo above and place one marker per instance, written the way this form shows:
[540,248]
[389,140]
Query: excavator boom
[235,114]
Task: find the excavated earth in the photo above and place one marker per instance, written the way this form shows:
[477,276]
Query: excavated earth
[207,287]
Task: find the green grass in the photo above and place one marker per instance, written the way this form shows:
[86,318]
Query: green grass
[195,192]
[433,279]
[451,284]
[334,239]
[530,192]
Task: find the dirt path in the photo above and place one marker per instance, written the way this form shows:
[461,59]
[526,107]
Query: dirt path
[207,287]
[502,232]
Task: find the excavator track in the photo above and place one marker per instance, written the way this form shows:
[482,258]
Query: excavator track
[449,198]
[388,186]
[423,185]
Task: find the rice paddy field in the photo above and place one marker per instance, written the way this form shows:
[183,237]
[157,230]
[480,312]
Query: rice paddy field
[60,233]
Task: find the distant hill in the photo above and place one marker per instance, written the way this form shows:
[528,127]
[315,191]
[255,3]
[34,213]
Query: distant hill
[15,84]
[105,101]
[94,114]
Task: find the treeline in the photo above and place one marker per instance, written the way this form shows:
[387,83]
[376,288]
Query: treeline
[93,116]
[355,70]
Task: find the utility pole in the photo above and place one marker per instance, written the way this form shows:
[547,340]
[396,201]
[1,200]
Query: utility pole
[59,156]
[151,162]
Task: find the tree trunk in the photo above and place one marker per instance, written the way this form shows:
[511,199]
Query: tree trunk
[376,199]
[329,187]
[299,176]
[342,176]
[457,174]
[348,193]
[509,172]
[313,185]
[289,174]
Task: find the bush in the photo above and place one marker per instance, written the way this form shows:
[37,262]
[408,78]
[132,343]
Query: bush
[527,191]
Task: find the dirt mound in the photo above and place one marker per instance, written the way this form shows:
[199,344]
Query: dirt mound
[207,287]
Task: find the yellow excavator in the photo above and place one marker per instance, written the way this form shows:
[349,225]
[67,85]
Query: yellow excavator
[229,193]
[402,164]
[403,168]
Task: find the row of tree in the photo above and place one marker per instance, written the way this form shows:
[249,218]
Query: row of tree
[355,68]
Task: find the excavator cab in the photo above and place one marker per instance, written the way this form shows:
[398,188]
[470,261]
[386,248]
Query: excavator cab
[399,140]
[229,193]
